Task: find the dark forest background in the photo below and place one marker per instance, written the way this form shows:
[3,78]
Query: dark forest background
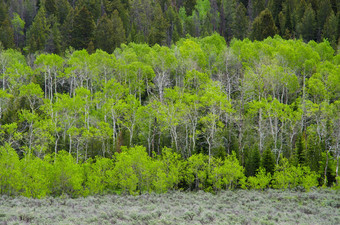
[54,25]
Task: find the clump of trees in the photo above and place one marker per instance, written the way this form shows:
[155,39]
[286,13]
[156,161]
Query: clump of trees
[260,101]
[54,26]
[133,171]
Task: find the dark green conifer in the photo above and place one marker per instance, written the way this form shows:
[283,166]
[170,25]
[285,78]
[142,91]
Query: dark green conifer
[307,27]
[83,28]
[119,30]
[53,44]
[6,30]
[38,32]
[268,161]
[330,29]
[300,150]
[51,7]
[254,162]
[105,34]
[263,26]
[240,24]
[158,28]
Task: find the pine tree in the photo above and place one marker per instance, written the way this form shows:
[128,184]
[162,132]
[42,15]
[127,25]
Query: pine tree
[63,9]
[158,28]
[275,6]
[38,32]
[3,11]
[240,23]
[254,162]
[7,34]
[189,6]
[6,30]
[105,34]
[118,5]
[53,43]
[307,27]
[330,29]
[51,7]
[119,30]
[268,161]
[175,29]
[300,151]
[18,28]
[229,13]
[257,7]
[67,29]
[263,26]
[323,13]
[83,29]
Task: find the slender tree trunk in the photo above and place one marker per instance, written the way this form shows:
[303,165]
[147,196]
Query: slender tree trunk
[70,147]
[326,167]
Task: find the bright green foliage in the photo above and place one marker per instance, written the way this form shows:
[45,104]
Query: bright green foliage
[10,173]
[199,96]
[65,176]
[261,181]
[133,171]
[33,93]
[171,169]
[289,176]
[35,180]
[227,174]
[197,170]
[97,175]
[192,54]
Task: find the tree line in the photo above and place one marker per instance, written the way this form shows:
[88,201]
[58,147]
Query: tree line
[134,172]
[54,26]
[264,101]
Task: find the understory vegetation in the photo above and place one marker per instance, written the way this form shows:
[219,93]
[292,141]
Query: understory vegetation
[134,172]
[226,207]
[199,115]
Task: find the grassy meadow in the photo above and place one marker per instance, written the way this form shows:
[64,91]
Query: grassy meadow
[320,206]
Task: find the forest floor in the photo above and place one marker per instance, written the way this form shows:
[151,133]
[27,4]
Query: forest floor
[320,206]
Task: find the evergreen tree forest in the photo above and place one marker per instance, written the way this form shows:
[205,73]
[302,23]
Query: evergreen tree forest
[53,26]
[117,96]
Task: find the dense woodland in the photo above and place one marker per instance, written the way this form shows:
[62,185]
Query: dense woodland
[103,96]
[55,25]
[200,114]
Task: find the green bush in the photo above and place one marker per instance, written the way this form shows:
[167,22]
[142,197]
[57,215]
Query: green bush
[66,176]
[260,181]
[97,175]
[10,173]
[169,169]
[232,172]
[197,171]
[35,182]
[133,171]
[289,176]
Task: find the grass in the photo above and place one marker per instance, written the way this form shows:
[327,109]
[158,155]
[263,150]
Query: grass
[230,207]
